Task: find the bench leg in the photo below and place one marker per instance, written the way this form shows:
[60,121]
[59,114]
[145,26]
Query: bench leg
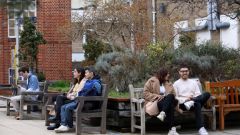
[143,129]
[47,123]
[8,107]
[29,109]
[221,118]
[103,124]
[43,112]
[21,110]
[213,118]
[78,125]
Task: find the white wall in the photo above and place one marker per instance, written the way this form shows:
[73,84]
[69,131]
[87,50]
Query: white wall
[230,36]
[203,35]
[77,4]
[177,25]
[76,57]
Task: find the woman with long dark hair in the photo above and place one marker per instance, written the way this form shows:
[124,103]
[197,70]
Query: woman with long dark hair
[158,88]
[79,81]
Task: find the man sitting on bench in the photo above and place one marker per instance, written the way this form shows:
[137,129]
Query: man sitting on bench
[190,98]
[32,85]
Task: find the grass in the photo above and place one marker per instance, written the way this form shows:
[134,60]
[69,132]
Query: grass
[115,94]
[64,86]
[60,89]
[61,86]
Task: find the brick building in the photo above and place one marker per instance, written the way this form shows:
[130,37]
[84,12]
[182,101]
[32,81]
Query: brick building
[55,57]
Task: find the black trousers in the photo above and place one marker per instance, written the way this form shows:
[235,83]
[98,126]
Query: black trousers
[60,101]
[199,101]
[168,104]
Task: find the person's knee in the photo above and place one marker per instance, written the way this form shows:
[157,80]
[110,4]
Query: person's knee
[171,96]
[197,105]
[63,108]
[206,95]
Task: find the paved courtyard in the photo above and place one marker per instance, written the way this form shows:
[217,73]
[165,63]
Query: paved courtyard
[10,126]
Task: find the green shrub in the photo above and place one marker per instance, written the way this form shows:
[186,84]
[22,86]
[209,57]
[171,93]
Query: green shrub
[121,68]
[114,94]
[41,76]
[61,85]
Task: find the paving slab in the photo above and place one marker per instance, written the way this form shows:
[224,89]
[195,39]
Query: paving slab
[10,126]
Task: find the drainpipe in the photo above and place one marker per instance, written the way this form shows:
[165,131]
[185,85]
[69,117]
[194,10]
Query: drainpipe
[132,39]
[154,21]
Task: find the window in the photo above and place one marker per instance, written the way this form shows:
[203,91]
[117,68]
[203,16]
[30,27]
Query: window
[19,9]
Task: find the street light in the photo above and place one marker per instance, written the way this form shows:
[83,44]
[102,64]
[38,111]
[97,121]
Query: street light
[18,23]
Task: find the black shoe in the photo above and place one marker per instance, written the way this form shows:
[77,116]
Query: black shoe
[52,119]
[52,127]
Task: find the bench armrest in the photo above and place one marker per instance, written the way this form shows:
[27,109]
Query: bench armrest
[32,93]
[89,98]
[52,94]
[49,97]
[140,101]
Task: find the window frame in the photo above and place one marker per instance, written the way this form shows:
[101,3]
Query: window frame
[10,29]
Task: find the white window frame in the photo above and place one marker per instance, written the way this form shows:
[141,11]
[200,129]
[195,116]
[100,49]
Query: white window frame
[14,20]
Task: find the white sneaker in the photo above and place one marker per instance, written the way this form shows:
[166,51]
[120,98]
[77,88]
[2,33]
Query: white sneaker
[202,131]
[189,104]
[173,131]
[161,115]
[62,129]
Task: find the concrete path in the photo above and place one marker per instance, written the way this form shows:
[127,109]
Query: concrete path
[10,126]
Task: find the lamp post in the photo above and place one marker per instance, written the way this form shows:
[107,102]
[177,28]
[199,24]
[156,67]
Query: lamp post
[18,22]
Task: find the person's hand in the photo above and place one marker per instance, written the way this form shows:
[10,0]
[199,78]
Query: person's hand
[189,98]
[19,86]
[159,97]
[69,96]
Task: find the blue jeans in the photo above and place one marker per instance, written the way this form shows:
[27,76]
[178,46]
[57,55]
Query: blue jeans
[66,114]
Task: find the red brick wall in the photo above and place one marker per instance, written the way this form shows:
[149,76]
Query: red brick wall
[5,48]
[55,57]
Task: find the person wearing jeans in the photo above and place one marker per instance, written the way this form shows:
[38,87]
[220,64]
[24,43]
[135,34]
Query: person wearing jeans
[79,81]
[190,98]
[92,87]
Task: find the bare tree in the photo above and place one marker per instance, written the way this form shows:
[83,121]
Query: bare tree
[230,8]
[114,22]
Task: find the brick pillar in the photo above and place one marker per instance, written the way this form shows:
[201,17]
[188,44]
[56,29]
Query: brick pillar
[55,57]
[5,49]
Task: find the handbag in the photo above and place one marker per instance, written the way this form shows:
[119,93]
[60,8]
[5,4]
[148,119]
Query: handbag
[151,108]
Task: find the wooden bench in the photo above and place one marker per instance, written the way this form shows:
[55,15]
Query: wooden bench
[138,111]
[11,91]
[39,102]
[8,101]
[81,112]
[227,97]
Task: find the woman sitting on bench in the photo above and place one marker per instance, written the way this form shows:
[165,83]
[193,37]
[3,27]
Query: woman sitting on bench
[79,82]
[92,87]
[158,88]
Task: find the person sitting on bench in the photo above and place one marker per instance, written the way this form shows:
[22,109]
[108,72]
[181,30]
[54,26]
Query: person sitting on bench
[79,81]
[189,96]
[92,87]
[158,88]
[32,85]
